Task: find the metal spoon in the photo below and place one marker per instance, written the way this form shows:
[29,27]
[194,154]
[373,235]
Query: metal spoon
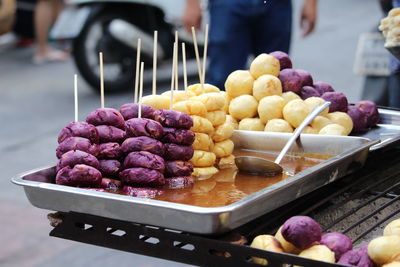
[261,166]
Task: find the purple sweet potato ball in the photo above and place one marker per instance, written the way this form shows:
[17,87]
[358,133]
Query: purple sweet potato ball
[308,91]
[178,168]
[144,127]
[284,59]
[173,119]
[110,134]
[110,184]
[338,101]
[371,110]
[178,136]
[337,242]
[79,175]
[144,192]
[77,143]
[323,87]
[142,176]
[130,111]
[79,129]
[106,116]
[359,118]
[142,143]
[109,167]
[305,77]
[358,258]
[301,231]
[111,150]
[74,157]
[179,182]
[177,152]
[291,81]
[144,159]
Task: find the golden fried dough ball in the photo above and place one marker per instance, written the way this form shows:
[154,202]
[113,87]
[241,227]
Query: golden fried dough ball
[227,101]
[309,130]
[223,132]
[156,101]
[244,106]
[203,173]
[264,64]
[320,122]
[394,12]
[295,112]
[266,242]
[203,158]
[393,228]
[191,107]
[197,90]
[178,95]
[216,117]
[318,252]
[232,121]
[333,129]
[287,246]
[212,101]
[224,148]
[239,82]
[278,125]
[314,101]
[267,85]
[251,124]
[201,125]
[271,107]
[203,141]
[289,96]
[384,249]
[341,118]
[227,162]
[392,264]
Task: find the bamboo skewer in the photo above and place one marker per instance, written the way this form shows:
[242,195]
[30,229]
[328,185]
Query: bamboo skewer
[101,80]
[184,66]
[205,56]
[76,96]
[196,50]
[176,63]
[140,90]
[173,68]
[154,90]
[139,45]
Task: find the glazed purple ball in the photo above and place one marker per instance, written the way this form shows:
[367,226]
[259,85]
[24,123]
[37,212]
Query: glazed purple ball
[338,101]
[358,258]
[291,81]
[177,152]
[337,242]
[173,119]
[79,129]
[142,143]
[79,175]
[301,231]
[179,182]
[143,192]
[142,176]
[106,116]
[284,59]
[178,168]
[77,143]
[365,260]
[109,167]
[359,118]
[109,150]
[308,91]
[110,134]
[130,111]
[178,136]
[144,159]
[110,184]
[74,157]
[371,110]
[144,127]
[305,77]
[323,87]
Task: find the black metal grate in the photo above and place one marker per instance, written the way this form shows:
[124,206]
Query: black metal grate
[357,205]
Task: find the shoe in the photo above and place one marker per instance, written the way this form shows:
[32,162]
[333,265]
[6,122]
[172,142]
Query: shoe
[51,56]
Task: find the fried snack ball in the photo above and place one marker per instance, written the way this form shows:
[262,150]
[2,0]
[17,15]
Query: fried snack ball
[203,158]
[74,157]
[384,249]
[359,118]
[308,91]
[142,176]
[143,192]
[196,89]
[393,228]
[318,252]
[227,101]
[338,101]
[357,257]
[244,106]
[110,134]
[142,143]
[264,64]
[177,152]
[267,85]
[313,102]
[204,173]
[156,101]
[333,129]
[227,162]
[224,148]
[191,107]
[178,168]
[144,159]
[270,107]
[106,116]
[212,101]
[289,96]
[301,231]
[173,119]
[337,242]
[223,132]
[203,142]
[284,60]
[144,127]
[342,119]
[201,125]
[130,111]
[233,121]
[295,112]
[392,264]
[109,167]
[266,242]
[178,136]
[77,143]
[179,182]
[178,95]
[110,150]
[320,122]
[216,117]
[309,130]
[278,125]
[371,110]
[251,124]
[287,246]
[79,129]
[79,175]
[239,82]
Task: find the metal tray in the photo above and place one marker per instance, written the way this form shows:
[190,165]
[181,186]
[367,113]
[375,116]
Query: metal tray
[351,153]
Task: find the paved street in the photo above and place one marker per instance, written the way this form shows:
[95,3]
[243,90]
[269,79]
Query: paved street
[37,101]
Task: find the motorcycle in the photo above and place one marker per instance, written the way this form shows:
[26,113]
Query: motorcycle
[113,28]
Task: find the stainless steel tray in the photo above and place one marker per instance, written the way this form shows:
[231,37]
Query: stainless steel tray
[351,153]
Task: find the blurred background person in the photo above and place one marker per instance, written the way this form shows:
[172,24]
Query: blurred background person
[239,28]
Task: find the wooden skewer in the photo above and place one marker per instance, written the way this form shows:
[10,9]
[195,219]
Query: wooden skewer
[184,66]
[141,90]
[196,50]
[205,57]
[76,96]
[176,63]
[139,44]
[101,80]
[155,62]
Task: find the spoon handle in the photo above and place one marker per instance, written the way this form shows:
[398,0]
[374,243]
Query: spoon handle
[314,113]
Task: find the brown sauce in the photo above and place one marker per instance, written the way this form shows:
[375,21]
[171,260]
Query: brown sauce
[229,186]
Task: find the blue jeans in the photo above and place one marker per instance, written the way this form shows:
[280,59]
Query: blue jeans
[239,28]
